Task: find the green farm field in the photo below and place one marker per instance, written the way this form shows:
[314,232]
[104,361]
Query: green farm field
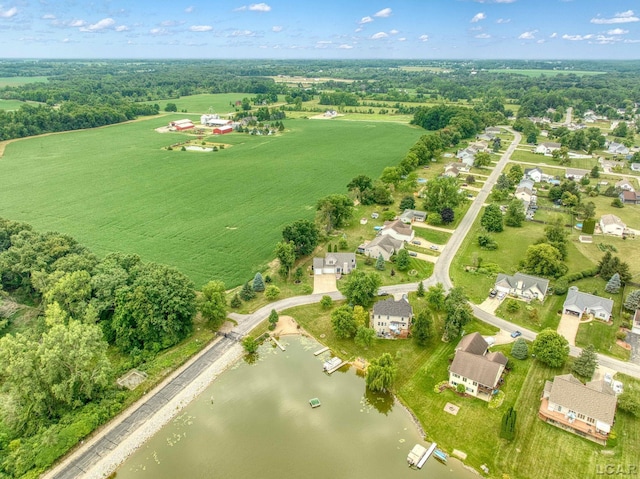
[214,215]
[220,103]
[17,81]
[537,73]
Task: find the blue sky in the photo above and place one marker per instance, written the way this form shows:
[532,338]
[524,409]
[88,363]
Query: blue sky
[411,29]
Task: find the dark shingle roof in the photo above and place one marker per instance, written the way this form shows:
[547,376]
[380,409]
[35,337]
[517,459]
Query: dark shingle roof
[390,307]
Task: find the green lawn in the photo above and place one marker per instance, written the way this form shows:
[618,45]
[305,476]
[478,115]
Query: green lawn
[220,103]
[434,236]
[212,215]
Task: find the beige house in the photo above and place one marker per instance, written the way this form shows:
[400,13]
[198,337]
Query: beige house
[477,369]
[335,263]
[612,225]
[547,148]
[522,286]
[381,245]
[397,230]
[587,410]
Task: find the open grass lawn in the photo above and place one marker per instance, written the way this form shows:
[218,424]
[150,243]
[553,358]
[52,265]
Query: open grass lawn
[434,236]
[212,215]
[220,103]
[17,81]
[545,315]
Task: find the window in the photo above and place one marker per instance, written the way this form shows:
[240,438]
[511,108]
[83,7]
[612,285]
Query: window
[475,383]
[581,416]
[559,409]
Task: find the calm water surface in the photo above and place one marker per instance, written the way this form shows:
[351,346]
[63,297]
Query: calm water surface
[255,421]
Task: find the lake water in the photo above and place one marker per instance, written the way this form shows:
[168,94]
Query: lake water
[255,421]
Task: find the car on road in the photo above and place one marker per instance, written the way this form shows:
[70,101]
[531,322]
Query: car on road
[413,253]
[515,334]
[433,247]
[416,242]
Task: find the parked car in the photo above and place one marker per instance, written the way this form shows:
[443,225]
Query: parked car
[433,247]
[608,378]
[413,253]
[617,387]
[493,293]
[515,334]
[417,242]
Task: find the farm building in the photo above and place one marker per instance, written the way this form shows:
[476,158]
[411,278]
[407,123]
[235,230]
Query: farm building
[221,130]
[181,125]
[213,120]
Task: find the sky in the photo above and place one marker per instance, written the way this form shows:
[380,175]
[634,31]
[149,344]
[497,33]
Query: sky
[331,29]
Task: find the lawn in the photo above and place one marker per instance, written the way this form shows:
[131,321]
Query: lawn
[434,236]
[211,215]
[537,73]
[220,103]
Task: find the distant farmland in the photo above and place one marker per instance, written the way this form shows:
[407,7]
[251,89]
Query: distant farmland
[212,215]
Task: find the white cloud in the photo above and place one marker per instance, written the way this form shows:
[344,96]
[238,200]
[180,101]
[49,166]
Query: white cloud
[553,35]
[402,39]
[423,38]
[379,35]
[242,33]
[540,41]
[49,16]
[617,31]
[622,17]
[276,28]
[528,35]
[98,26]
[478,16]
[189,9]
[122,28]
[359,29]
[394,32]
[158,31]
[200,28]
[259,7]
[384,13]
[344,46]
[503,20]
[577,38]
[77,23]
[8,13]
[483,35]
[364,20]
[628,40]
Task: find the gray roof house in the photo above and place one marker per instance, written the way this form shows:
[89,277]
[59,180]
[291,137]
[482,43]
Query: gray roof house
[587,410]
[397,230]
[381,245]
[625,184]
[617,148]
[635,166]
[523,286]
[392,319]
[335,263]
[409,216]
[477,369]
[547,148]
[612,225]
[534,174]
[575,174]
[579,303]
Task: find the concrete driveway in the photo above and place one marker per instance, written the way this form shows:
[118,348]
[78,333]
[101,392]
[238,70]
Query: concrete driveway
[568,327]
[324,283]
[490,305]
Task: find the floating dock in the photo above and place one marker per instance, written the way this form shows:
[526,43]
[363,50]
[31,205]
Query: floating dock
[278,344]
[419,455]
[315,402]
[320,351]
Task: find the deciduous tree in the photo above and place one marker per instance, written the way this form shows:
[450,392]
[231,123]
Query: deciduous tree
[551,348]
[343,323]
[381,373]
[212,303]
[442,192]
[491,219]
[303,234]
[422,327]
[514,215]
[361,287]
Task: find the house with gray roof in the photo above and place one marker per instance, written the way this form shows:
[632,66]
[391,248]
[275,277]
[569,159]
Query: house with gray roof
[625,185]
[575,174]
[397,230]
[534,174]
[617,149]
[547,148]
[335,263]
[612,225]
[525,190]
[473,366]
[391,319]
[587,410]
[579,304]
[409,216]
[523,286]
[381,245]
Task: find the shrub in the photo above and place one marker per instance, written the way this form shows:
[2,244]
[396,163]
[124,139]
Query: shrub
[520,350]
[508,425]
[326,302]
[272,292]
[512,306]
[460,388]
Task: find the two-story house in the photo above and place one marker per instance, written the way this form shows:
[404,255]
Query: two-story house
[392,319]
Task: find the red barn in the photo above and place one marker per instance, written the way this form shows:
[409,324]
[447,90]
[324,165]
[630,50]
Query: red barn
[221,130]
[181,125]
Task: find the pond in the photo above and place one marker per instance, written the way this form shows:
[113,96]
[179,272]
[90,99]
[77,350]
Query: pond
[255,421]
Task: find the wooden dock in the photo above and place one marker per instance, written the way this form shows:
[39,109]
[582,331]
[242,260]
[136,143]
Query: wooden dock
[278,344]
[335,368]
[426,456]
[320,351]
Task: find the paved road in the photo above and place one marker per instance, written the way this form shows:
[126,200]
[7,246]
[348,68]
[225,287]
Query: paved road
[77,464]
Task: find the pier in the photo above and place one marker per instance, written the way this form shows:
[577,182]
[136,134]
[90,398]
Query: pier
[320,351]
[278,343]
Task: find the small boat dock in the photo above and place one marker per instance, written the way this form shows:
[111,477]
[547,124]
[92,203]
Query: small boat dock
[419,455]
[320,351]
[332,365]
[315,402]
[278,343]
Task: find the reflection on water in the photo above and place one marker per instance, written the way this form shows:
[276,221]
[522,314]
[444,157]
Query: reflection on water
[255,421]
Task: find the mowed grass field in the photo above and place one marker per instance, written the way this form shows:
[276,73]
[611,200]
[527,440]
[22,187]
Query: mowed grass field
[211,215]
[16,81]
[220,103]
